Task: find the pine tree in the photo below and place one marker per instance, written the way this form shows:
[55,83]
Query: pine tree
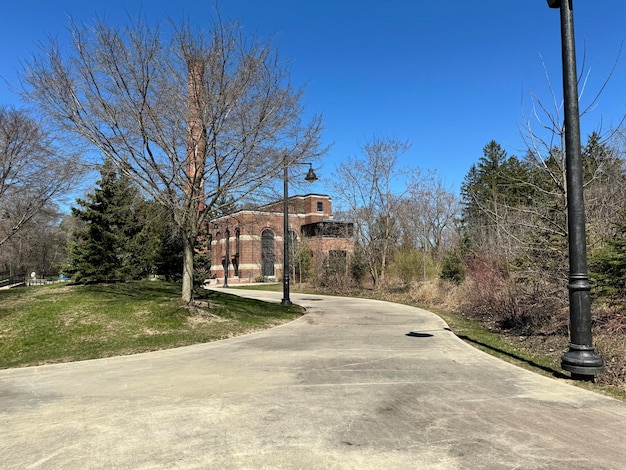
[605,193]
[608,264]
[158,246]
[491,188]
[103,249]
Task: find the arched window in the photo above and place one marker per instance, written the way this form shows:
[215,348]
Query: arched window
[267,253]
[217,249]
[237,248]
[225,258]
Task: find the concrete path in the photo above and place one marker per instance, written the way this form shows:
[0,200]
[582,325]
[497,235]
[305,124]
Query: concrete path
[354,384]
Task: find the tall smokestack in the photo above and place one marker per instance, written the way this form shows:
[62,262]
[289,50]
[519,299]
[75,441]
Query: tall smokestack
[196,132]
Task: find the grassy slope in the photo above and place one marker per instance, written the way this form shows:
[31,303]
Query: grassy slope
[60,323]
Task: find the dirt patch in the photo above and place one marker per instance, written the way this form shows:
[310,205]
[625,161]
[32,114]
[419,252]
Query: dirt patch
[202,318]
[200,314]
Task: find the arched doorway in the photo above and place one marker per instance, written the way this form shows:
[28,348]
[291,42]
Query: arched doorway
[235,259]
[267,253]
[216,254]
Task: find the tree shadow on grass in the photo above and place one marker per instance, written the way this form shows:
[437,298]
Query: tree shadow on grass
[555,373]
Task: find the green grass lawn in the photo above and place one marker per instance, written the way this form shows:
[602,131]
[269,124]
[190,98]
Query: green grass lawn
[62,322]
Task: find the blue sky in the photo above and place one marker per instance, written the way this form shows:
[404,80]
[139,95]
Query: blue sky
[447,76]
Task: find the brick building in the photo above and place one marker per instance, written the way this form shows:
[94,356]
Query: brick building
[252,240]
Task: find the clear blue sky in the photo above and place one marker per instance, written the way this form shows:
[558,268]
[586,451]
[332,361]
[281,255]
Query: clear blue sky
[448,76]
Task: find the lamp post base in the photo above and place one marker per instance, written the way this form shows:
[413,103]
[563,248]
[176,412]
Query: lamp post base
[582,361]
[285,302]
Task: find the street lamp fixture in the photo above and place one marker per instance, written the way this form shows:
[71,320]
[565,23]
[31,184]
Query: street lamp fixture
[581,359]
[310,177]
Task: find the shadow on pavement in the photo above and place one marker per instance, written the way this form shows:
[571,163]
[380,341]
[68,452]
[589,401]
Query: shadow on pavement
[416,334]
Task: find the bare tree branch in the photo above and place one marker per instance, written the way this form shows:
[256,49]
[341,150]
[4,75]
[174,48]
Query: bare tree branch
[34,174]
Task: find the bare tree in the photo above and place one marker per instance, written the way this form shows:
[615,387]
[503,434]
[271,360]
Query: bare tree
[429,213]
[190,116]
[33,172]
[368,189]
[544,136]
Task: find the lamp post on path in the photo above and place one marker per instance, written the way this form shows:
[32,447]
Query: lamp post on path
[310,177]
[581,359]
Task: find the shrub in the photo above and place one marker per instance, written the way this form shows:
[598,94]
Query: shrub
[519,305]
[411,264]
[452,268]
[358,267]
[331,271]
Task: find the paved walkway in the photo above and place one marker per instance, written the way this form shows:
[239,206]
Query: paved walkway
[353,384]
[11,286]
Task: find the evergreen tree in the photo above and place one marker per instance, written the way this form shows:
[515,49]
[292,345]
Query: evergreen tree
[608,264]
[515,213]
[452,268]
[546,237]
[490,190]
[605,187]
[156,248]
[105,248]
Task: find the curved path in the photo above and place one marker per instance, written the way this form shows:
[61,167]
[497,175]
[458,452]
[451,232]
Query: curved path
[353,384]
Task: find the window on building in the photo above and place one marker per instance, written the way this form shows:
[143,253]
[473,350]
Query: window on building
[217,249]
[237,248]
[227,255]
[320,206]
[340,255]
[267,253]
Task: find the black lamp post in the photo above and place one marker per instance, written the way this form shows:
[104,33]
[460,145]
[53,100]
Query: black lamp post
[581,359]
[310,177]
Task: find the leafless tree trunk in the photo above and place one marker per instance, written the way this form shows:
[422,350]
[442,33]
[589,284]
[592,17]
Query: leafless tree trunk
[190,120]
